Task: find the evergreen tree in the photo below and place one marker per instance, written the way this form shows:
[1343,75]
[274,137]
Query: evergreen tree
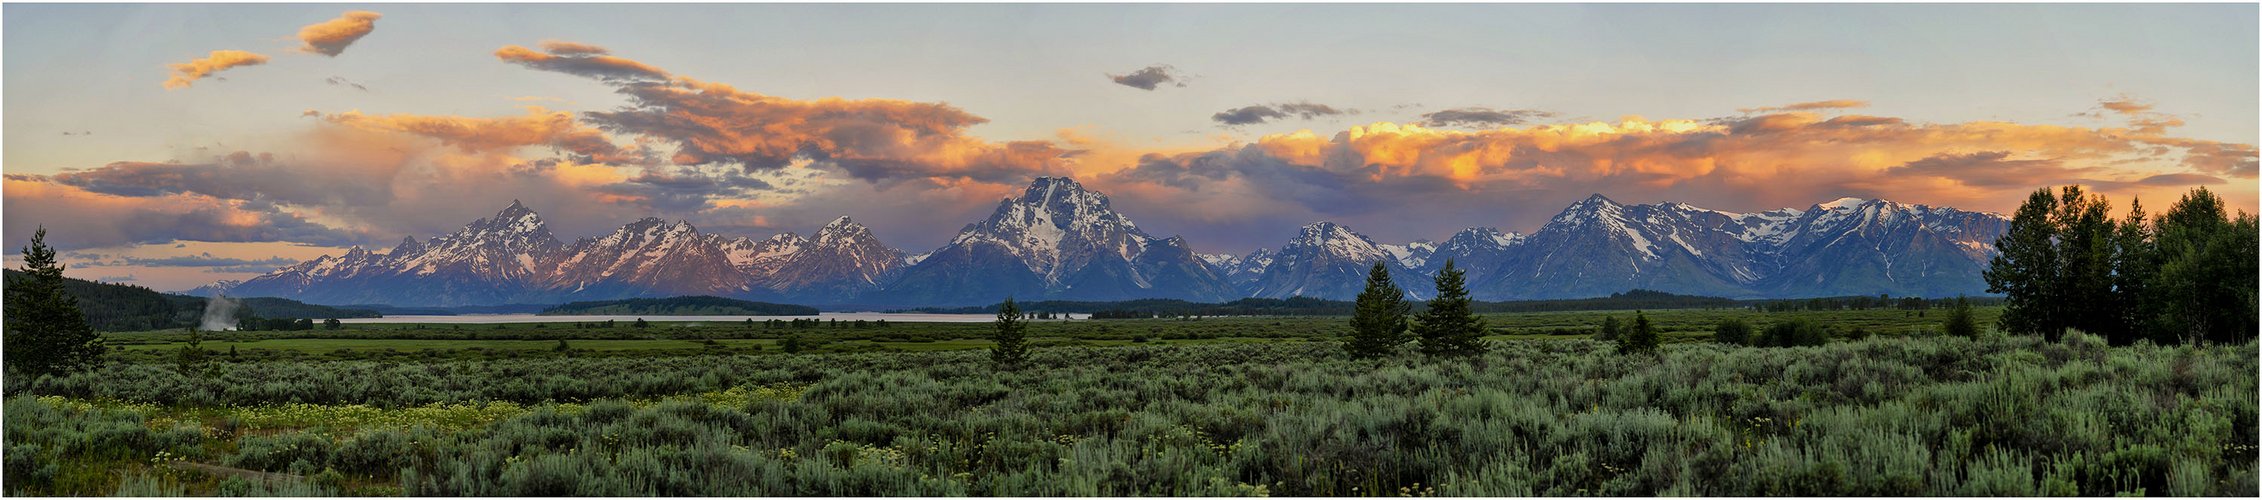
[640,323]
[792,344]
[190,359]
[1448,327]
[2025,269]
[45,331]
[1732,332]
[1012,347]
[1610,330]
[1378,324]
[1960,321]
[1641,338]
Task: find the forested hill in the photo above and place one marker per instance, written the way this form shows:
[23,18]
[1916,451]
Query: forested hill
[1307,306]
[700,305]
[114,307]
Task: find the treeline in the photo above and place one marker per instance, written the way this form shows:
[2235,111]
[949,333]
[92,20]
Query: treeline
[1158,308]
[1864,303]
[1308,306]
[1631,299]
[698,305]
[2067,264]
[120,307]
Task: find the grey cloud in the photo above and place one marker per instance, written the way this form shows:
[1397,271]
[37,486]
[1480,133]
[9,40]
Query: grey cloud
[1262,113]
[1149,78]
[1481,117]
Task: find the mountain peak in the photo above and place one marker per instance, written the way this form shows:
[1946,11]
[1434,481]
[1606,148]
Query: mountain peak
[1847,202]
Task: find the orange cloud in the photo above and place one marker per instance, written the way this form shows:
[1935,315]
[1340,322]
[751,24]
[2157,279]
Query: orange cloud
[1767,161]
[539,127]
[1832,104]
[883,141]
[331,37]
[185,74]
[579,60]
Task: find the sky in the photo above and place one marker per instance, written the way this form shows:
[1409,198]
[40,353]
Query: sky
[175,145]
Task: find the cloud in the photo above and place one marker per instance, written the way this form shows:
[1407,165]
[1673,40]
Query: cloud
[580,60]
[882,141]
[2125,104]
[2137,113]
[1516,177]
[1262,113]
[79,218]
[341,81]
[1481,117]
[1993,169]
[186,74]
[539,127]
[1829,105]
[565,48]
[203,259]
[331,37]
[1148,78]
[350,179]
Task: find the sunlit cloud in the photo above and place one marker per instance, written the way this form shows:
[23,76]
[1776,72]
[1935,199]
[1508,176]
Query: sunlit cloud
[186,74]
[579,60]
[331,37]
[1828,105]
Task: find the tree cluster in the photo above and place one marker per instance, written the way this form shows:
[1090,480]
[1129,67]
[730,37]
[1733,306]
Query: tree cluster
[1449,325]
[2067,264]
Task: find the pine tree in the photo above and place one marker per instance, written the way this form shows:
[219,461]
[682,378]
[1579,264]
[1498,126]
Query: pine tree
[46,332]
[1960,321]
[2025,269]
[1610,330]
[1639,339]
[1012,347]
[1378,324]
[1448,327]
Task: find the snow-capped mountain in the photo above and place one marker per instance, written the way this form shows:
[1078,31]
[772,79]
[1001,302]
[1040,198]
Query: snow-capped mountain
[1057,240]
[1331,261]
[645,257]
[513,258]
[844,260]
[1849,246]
[1242,272]
[494,260]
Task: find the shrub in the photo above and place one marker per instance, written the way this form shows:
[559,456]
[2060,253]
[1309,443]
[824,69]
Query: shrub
[1732,332]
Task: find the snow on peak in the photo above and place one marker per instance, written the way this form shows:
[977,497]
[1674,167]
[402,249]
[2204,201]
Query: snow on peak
[1333,239]
[1844,203]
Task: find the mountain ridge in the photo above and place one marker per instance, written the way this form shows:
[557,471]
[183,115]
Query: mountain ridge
[1058,240]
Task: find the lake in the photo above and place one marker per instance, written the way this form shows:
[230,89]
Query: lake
[530,318]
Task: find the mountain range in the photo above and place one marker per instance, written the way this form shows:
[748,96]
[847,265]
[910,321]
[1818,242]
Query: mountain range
[1059,240]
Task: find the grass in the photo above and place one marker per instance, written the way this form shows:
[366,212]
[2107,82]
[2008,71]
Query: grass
[379,341]
[1218,406]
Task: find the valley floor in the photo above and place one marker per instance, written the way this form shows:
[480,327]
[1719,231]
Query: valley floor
[1217,406]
